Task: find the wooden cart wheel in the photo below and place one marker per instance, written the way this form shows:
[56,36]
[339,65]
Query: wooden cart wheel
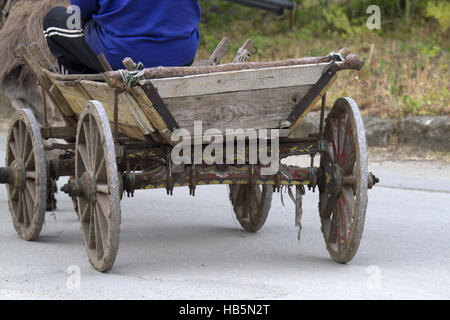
[96,170]
[343,209]
[251,204]
[26,159]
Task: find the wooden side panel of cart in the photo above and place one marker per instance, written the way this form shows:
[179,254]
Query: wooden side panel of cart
[226,100]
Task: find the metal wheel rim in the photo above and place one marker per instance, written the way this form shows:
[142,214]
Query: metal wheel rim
[343,216]
[100,220]
[27,206]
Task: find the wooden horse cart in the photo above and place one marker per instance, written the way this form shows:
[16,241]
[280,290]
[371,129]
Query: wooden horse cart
[118,138]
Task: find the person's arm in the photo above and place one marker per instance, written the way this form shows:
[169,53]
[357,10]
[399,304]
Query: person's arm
[87,7]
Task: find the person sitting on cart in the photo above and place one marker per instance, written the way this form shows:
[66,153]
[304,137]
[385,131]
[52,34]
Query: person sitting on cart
[154,32]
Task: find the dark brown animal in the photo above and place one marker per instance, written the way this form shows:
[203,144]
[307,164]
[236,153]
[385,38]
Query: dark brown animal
[23,27]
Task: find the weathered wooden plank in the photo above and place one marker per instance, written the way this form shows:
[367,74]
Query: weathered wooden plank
[75,97]
[256,109]
[104,62]
[127,120]
[152,115]
[139,116]
[74,77]
[219,52]
[216,56]
[173,72]
[236,81]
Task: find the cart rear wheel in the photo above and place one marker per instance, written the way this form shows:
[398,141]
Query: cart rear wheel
[343,209]
[28,191]
[251,204]
[96,169]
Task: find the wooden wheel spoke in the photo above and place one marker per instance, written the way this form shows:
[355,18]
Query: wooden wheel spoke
[327,210]
[91,143]
[98,234]
[13,148]
[339,138]
[91,232]
[102,188]
[350,153]
[102,222]
[240,200]
[31,175]
[100,174]
[338,230]
[25,147]
[334,139]
[18,143]
[101,202]
[14,193]
[20,214]
[29,204]
[84,156]
[345,221]
[85,214]
[350,163]
[332,238]
[21,139]
[31,189]
[87,150]
[26,214]
[250,201]
[96,150]
[347,194]
[29,162]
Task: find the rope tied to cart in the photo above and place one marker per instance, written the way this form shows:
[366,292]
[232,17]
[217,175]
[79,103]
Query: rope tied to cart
[132,78]
[243,55]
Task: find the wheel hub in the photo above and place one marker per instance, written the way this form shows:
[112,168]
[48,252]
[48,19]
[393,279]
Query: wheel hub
[84,187]
[331,180]
[14,175]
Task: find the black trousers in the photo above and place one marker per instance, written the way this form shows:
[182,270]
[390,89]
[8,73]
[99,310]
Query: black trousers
[69,45]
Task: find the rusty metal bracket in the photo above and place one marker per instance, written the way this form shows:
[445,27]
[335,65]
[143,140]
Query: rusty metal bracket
[159,105]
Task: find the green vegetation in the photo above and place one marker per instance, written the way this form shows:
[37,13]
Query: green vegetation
[408,70]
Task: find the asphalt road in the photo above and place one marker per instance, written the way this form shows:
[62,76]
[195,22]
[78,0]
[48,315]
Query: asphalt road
[192,248]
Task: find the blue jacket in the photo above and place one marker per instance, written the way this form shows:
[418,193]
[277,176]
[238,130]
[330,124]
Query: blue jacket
[154,32]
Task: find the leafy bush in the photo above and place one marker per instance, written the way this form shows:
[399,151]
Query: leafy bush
[408,71]
[441,12]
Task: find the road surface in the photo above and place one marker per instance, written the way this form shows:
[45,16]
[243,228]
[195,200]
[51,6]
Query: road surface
[192,248]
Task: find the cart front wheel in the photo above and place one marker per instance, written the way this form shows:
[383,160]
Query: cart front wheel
[343,195]
[97,177]
[251,204]
[26,167]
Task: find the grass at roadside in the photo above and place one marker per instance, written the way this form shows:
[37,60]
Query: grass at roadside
[408,72]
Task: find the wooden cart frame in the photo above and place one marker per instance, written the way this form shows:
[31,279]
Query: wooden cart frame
[118,139]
